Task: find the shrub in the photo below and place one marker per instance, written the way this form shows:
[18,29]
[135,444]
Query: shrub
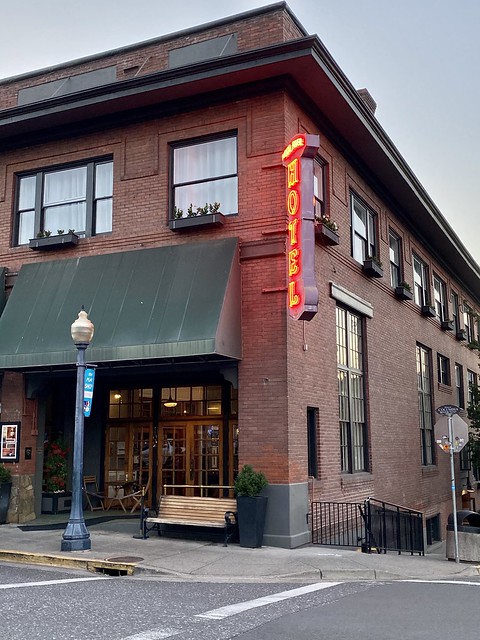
[5,474]
[249,482]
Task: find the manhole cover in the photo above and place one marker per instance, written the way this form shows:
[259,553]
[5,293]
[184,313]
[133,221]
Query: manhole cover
[125,559]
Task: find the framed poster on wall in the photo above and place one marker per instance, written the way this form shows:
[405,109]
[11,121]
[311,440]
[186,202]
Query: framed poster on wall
[9,441]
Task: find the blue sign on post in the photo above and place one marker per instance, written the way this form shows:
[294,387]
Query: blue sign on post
[88,391]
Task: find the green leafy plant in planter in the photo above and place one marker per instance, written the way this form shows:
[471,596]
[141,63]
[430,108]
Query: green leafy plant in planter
[251,506]
[5,490]
[249,482]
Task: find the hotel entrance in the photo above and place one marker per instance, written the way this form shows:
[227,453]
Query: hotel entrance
[180,440]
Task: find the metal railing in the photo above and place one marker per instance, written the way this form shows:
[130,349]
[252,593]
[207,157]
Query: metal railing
[373,525]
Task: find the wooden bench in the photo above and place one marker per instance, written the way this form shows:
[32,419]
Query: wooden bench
[194,511]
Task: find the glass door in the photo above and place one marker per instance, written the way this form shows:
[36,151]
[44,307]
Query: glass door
[191,458]
[128,458]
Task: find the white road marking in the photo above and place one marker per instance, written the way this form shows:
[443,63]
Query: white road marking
[44,583]
[156,634]
[475,584]
[234,609]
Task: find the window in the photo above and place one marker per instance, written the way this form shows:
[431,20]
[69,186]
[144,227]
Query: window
[420,282]
[424,378]
[472,382]
[459,392]
[395,256]
[363,230]
[351,397]
[440,297]
[312,421]
[77,197]
[319,189]
[455,318]
[443,370]
[205,173]
[469,322]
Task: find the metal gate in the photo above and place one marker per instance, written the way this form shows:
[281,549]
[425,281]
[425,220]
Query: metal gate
[373,525]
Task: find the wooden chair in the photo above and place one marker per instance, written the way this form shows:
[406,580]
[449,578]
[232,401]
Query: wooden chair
[132,496]
[95,499]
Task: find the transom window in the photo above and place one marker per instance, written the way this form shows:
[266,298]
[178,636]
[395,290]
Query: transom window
[424,385]
[440,295]
[351,396]
[205,175]
[191,401]
[363,230]
[75,198]
[420,282]
[395,257]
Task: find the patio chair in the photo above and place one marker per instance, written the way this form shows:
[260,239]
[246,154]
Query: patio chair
[95,499]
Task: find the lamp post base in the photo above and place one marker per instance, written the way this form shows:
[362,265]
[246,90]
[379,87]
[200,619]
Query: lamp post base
[76,537]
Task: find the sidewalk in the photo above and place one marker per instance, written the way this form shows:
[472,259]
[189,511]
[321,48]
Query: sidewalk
[118,549]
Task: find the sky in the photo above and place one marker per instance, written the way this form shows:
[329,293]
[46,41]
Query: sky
[419,59]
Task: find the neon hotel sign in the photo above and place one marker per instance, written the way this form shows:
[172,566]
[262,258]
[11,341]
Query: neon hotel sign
[298,157]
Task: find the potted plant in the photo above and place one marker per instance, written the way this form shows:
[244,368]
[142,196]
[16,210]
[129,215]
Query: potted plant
[326,230]
[372,267]
[403,291]
[5,490]
[251,506]
[55,498]
[206,216]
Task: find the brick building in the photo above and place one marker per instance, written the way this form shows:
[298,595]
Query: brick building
[161,165]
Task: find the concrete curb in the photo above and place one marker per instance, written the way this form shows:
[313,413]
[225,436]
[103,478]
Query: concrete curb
[88,564]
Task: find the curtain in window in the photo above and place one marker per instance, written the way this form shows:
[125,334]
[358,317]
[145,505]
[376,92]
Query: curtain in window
[64,200]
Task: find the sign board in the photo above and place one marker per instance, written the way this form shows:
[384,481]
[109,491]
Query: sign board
[447,409]
[459,433]
[299,157]
[89,381]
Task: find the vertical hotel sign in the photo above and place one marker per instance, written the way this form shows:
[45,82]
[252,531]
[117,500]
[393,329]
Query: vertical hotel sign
[298,158]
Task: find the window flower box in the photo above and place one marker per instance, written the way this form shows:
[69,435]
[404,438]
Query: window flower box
[403,293]
[428,311]
[54,242]
[326,235]
[206,220]
[447,325]
[372,268]
[461,334]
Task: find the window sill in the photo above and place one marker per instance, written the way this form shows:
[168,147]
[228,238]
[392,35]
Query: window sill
[354,478]
[207,220]
[54,242]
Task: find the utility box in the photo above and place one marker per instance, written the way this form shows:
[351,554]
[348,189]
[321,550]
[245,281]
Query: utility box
[468,526]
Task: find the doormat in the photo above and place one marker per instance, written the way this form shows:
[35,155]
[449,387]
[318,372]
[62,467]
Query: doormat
[52,526]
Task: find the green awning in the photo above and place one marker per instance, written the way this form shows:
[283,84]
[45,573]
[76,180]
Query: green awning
[168,302]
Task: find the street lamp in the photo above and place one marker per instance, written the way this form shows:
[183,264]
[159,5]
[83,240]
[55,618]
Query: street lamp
[76,536]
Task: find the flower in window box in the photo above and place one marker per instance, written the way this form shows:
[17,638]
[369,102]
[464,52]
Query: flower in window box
[328,222]
[326,230]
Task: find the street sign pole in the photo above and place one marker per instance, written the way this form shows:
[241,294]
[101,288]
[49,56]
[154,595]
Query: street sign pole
[454,497]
